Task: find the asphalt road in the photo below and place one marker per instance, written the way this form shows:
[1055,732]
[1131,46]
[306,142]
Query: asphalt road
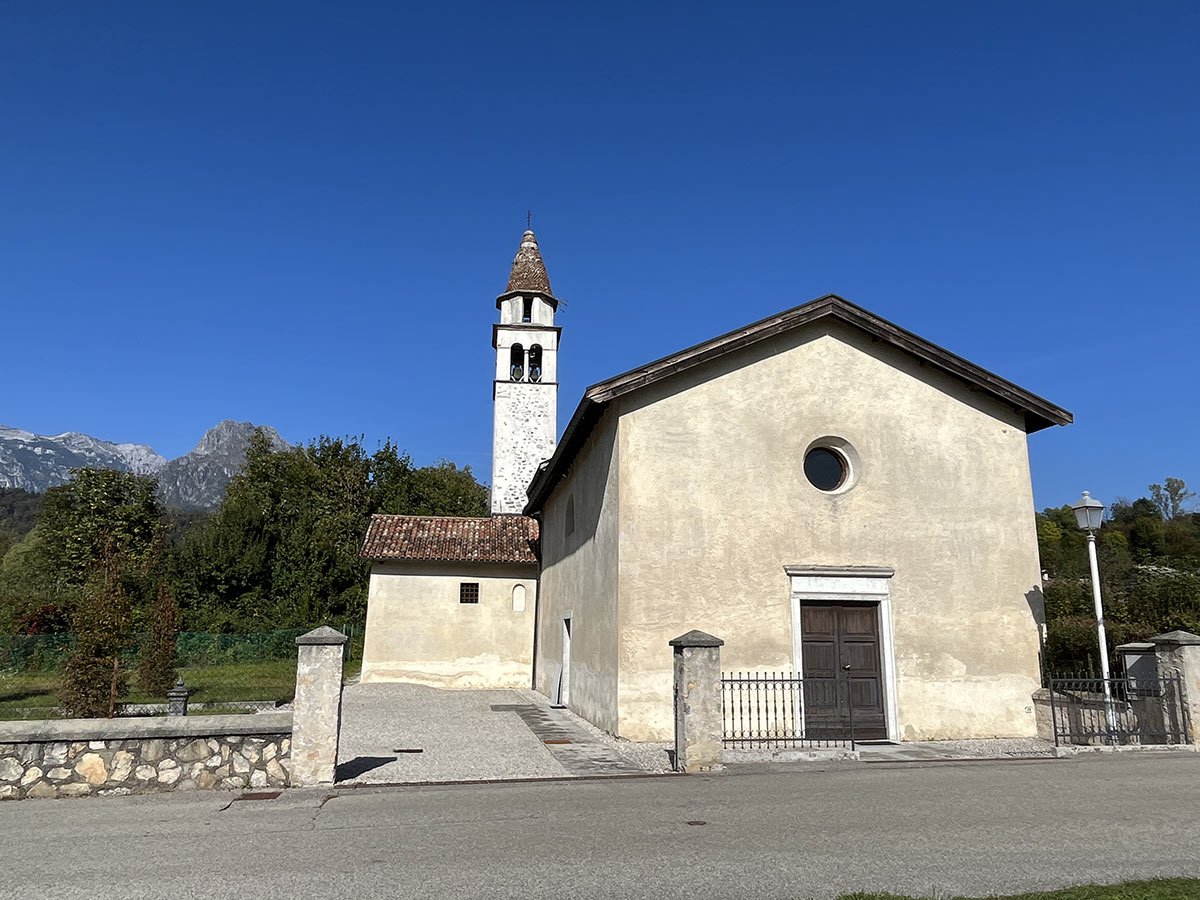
[964,828]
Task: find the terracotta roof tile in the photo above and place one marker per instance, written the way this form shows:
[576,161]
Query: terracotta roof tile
[528,270]
[501,539]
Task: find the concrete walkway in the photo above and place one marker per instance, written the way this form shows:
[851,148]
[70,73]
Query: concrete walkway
[945,830]
[408,733]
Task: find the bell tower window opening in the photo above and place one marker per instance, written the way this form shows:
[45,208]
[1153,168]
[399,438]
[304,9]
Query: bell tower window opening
[535,362]
[526,309]
[516,363]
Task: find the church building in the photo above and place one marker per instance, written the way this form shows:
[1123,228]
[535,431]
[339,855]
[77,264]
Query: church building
[830,494]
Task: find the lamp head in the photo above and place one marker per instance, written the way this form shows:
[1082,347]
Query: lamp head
[1089,512]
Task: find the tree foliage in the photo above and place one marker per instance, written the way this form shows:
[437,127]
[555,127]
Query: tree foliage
[1171,499]
[107,563]
[156,669]
[1149,557]
[282,550]
[18,514]
[100,514]
[94,677]
[100,534]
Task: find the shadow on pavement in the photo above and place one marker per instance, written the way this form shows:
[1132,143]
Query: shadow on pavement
[360,765]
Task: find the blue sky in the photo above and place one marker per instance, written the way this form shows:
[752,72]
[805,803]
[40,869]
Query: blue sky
[300,214]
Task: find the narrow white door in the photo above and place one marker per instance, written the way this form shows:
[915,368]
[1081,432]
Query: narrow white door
[564,684]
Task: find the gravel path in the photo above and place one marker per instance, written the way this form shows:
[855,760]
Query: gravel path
[463,738]
[460,737]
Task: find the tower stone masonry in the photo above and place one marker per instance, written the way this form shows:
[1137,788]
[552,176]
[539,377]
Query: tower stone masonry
[525,390]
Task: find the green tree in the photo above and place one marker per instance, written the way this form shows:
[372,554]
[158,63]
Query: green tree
[18,512]
[283,548]
[443,489]
[1149,570]
[1171,499]
[100,513]
[94,677]
[29,582]
[101,534]
[156,670]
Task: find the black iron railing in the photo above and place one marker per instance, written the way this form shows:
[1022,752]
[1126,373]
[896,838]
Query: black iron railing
[1119,711]
[773,710]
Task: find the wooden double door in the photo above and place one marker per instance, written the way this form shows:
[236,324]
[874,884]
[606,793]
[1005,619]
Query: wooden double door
[843,677]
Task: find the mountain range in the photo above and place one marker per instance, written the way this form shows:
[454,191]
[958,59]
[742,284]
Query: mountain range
[196,480]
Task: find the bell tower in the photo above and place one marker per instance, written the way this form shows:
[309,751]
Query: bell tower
[525,391]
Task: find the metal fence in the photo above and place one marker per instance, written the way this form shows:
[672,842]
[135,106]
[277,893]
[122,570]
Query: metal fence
[772,710]
[224,672]
[1119,711]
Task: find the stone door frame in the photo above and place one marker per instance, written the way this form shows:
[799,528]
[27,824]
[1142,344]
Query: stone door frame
[849,584]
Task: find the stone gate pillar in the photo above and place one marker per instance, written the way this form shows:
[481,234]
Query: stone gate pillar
[1178,654]
[698,721]
[317,716]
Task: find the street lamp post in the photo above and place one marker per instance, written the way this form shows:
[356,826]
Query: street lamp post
[1089,514]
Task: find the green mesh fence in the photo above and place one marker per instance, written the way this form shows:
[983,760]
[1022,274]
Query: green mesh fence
[225,672]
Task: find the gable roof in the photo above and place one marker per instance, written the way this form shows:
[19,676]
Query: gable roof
[1039,413]
[494,539]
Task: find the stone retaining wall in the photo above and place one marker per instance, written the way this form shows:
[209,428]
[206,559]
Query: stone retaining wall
[127,756]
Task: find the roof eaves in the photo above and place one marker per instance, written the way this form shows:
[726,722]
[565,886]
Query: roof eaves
[1045,412]
[587,413]
[1040,413]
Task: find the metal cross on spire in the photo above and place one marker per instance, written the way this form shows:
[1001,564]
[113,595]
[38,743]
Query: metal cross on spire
[528,218]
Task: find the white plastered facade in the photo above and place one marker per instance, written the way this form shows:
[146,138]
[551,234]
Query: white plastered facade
[691,503]
[418,630]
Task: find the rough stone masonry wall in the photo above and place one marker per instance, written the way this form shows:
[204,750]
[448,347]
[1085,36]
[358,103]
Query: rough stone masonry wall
[523,436]
[126,762]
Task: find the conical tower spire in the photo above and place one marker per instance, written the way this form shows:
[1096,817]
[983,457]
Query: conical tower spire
[525,389]
[528,270]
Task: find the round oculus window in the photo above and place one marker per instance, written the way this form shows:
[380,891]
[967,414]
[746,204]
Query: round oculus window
[825,469]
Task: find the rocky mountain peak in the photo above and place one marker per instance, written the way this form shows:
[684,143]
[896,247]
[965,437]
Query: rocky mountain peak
[196,480]
[228,434]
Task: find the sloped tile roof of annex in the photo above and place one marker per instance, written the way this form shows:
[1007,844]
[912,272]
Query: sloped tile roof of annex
[491,539]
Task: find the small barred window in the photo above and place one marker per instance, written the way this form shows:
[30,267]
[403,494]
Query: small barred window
[468,592]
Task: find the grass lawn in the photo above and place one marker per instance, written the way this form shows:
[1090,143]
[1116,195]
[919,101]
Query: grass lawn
[1160,889]
[23,692]
[269,680]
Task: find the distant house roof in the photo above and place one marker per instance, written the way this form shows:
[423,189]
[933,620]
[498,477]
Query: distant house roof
[1039,413]
[497,539]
